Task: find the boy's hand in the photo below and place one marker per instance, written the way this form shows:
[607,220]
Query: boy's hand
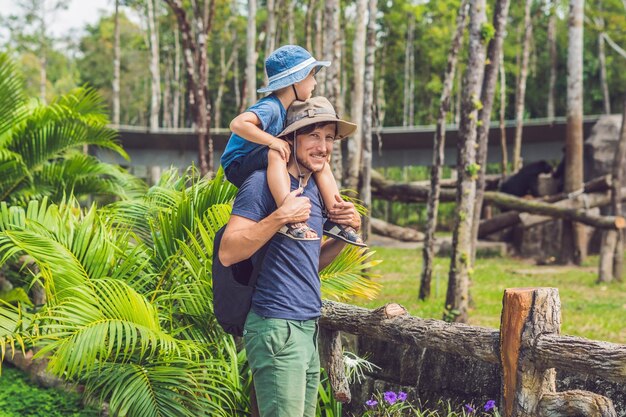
[282,147]
[344,212]
[295,209]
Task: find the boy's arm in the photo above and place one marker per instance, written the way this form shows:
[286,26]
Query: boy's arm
[248,126]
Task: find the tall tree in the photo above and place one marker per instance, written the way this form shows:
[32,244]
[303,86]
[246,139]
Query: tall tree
[612,248]
[270,28]
[251,54]
[553,58]
[355,142]
[572,239]
[606,99]
[505,157]
[428,251]
[332,53]
[116,65]
[368,102]
[155,71]
[488,90]
[30,31]
[195,41]
[457,297]
[409,73]
[520,91]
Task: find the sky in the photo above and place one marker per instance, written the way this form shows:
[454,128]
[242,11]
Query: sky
[78,14]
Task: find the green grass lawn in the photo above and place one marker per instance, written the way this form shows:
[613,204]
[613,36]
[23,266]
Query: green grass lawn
[588,309]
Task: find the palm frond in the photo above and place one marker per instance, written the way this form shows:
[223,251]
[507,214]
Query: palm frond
[12,99]
[106,320]
[346,276]
[165,387]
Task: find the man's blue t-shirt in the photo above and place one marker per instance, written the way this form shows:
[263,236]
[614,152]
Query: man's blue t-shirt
[288,285]
[272,115]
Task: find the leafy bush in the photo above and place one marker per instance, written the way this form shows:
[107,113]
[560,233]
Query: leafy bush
[18,398]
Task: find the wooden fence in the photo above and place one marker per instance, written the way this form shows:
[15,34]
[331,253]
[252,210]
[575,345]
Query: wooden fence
[528,348]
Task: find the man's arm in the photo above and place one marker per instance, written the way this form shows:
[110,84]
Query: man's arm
[243,237]
[342,212]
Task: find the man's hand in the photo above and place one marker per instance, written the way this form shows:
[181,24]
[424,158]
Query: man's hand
[344,212]
[282,147]
[295,209]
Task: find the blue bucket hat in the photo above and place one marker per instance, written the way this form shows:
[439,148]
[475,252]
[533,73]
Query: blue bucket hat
[288,65]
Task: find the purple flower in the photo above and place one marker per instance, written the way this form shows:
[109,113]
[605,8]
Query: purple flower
[391,397]
[371,403]
[490,405]
[469,409]
[401,396]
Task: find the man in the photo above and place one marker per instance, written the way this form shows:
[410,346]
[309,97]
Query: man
[280,333]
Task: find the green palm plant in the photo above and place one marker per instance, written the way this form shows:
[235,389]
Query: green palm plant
[41,145]
[129,311]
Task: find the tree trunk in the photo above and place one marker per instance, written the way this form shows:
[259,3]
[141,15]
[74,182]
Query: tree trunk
[428,252]
[291,26]
[155,74]
[520,92]
[606,99]
[572,235]
[332,53]
[611,253]
[488,90]
[319,49]
[251,54]
[177,86]
[505,157]
[368,101]
[270,28]
[116,65]
[457,297]
[355,142]
[194,51]
[408,71]
[553,57]
[308,24]
[167,96]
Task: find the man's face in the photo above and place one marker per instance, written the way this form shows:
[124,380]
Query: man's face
[314,148]
[306,86]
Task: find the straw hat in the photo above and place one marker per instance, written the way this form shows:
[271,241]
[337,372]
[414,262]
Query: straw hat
[312,111]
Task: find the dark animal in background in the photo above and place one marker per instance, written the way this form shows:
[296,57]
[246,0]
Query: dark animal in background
[522,182]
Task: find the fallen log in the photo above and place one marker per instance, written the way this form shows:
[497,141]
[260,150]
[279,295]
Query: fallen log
[511,218]
[392,322]
[405,234]
[491,182]
[575,403]
[596,185]
[562,211]
[405,192]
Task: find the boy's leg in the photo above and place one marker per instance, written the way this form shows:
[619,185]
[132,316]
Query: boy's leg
[279,352]
[280,185]
[330,192]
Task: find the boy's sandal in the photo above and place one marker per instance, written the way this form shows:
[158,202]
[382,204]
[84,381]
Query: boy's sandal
[343,232]
[297,231]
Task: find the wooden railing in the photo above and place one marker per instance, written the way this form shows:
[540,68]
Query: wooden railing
[528,348]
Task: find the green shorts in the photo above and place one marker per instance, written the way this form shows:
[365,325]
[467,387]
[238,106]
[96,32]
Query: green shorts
[285,365]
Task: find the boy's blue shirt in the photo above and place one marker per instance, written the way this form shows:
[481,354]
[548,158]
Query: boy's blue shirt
[272,115]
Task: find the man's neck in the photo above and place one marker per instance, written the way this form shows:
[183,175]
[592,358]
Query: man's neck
[293,170]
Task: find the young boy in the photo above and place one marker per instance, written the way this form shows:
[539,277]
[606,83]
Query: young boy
[291,74]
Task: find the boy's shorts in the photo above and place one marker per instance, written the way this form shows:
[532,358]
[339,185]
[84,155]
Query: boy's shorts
[242,167]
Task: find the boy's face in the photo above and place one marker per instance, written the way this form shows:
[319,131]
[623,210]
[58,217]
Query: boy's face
[305,87]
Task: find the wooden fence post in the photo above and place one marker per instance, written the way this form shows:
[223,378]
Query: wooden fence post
[529,389]
[526,313]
